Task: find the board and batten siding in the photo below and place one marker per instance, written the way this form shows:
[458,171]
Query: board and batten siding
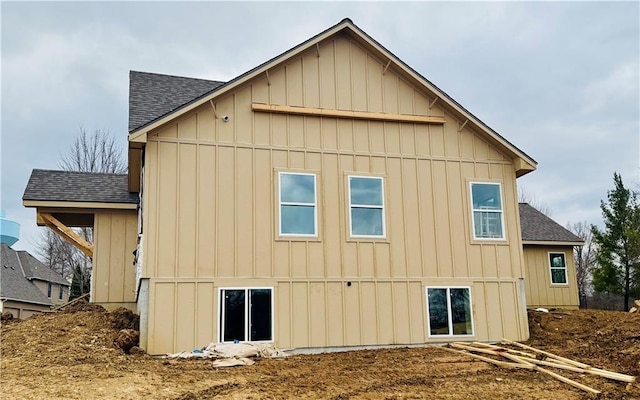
[210,211]
[113,283]
[540,291]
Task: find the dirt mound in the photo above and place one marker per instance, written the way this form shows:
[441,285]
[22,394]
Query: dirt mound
[74,356]
[593,336]
[81,332]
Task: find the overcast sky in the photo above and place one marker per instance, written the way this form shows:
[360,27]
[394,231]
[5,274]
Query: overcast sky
[558,80]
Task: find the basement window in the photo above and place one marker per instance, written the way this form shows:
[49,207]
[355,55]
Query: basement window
[449,311]
[558,269]
[297,198]
[366,207]
[246,315]
[488,221]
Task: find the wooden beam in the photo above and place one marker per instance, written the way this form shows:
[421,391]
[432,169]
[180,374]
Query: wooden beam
[67,234]
[386,67]
[267,75]
[433,102]
[318,49]
[463,125]
[325,112]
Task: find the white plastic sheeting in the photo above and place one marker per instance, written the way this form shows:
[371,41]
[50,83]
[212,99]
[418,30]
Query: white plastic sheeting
[232,354]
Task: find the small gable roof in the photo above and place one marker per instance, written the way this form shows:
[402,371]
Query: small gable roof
[86,187]
[138,134]
[152,96]
[13,283]
[537,227]
[34,269]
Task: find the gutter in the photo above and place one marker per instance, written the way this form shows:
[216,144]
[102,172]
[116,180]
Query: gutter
[4,299]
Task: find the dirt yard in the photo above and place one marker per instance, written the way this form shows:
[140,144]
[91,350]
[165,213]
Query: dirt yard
[71,355]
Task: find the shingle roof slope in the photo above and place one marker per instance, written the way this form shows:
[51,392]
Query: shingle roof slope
[153,95]
[13,284]
[46,185]
[35,269]
[537,227]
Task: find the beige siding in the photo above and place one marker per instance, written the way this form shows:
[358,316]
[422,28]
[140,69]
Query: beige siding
[23,310]
[540,291]
[211,211]
[113,277]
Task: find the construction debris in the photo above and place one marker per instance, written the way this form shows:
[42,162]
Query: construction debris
[232,354]
[533,359]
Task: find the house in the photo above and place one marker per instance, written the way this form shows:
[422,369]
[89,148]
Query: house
[331,197]
[27,286]
[550,268]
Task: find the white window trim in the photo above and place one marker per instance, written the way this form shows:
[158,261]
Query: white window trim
[450,320]
[566,272]
[381,207]
[473,211]
[221,313]
[314,204]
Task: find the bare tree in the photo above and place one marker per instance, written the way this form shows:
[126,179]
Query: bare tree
[89,152]
[96,152]
[585,256]
[526,197]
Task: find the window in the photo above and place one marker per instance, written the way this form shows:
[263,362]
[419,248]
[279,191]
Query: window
[558,268]
[487,211]
[297,198]
[366,207]
[449,311]
[49,290]
[246,315]
[61,292]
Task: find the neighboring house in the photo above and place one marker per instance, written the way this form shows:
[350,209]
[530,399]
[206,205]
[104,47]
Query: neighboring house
[548,257]
[27,286]
[330,197]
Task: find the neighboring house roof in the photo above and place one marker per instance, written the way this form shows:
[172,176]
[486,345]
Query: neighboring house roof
[147,120]
[34,269]
[152,96]
[46,185]
[537,227]
[13,283]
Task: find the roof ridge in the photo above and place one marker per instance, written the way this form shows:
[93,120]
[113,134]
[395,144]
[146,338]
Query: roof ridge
[79,172]
[176,76]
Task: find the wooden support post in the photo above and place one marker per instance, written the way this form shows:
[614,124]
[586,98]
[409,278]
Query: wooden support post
[67,234]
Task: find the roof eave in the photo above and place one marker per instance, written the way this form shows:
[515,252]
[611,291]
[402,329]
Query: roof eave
[552,243]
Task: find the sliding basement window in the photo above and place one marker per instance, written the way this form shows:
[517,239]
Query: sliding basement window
[449,311]
[246,315]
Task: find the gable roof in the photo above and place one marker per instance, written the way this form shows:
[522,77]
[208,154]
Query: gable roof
[85,187]
[13,283]
[34,269]
[537,227]
[138,135]
[152,96]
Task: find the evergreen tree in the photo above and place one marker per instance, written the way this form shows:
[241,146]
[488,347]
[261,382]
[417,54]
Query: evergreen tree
[618,256]
[80,283]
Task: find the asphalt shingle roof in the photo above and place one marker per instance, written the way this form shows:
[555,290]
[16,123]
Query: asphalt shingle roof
[47,185]
[537,227]
[35,269]
[152,96]
[13,284]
